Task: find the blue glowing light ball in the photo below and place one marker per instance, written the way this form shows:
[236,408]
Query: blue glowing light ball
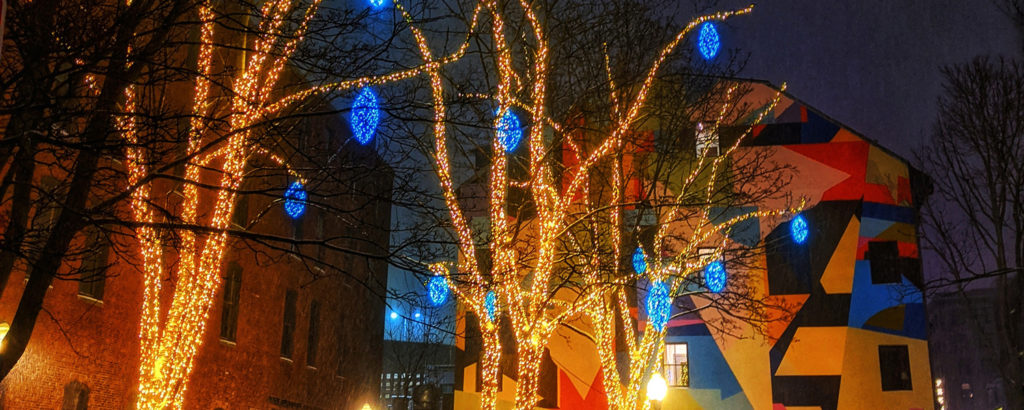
[491,303]
[639,261]
[365,115]
[715,277]
[798,228]
[658,305]
[377,3]
[707,41]
[437,289]
[509,131]
[295,200]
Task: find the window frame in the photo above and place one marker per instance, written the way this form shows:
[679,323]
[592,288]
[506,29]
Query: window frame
[230,302]
[683,367]
[288,324]
[895,358]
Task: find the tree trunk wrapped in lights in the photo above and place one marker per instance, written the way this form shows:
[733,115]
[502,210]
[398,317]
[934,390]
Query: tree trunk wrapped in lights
[527,265]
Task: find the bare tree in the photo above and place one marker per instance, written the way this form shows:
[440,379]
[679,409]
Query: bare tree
[976,227]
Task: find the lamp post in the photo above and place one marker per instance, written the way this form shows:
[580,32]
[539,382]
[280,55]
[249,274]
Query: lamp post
[656,390]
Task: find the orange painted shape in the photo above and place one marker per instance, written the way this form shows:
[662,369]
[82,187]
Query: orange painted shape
[815,351]
[844,135]
[571,399]
[778,318]
[838,275]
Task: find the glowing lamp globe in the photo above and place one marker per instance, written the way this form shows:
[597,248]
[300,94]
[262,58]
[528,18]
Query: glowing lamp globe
[437,289]
[798,229]
[639,261]
[394,315]
[715,276]
[657,388]
[707,41]
[658,305]
[295,200]
[377,3]
[365,115]
[491,303]
[509,130]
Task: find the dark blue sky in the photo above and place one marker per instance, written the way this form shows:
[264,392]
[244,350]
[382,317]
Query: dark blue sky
[873,65]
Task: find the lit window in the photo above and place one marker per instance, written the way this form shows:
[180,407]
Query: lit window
[707,138]
[677,365]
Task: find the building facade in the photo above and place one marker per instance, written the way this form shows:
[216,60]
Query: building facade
[855,336]
[290,328]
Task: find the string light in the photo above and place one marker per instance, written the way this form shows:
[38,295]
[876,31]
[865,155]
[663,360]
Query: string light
[798,229]
[492,305]
[715,276]
[295,200]
[509,131]
[365,115]
[639,261]
[658,305]
[708,41]
[437,288]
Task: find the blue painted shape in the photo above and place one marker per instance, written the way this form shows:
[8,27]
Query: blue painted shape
[509,131]
[747,232]
[365,115]
[639,261]
[872,227]
[708,367]
[792,114]
[868,299]
[817,129]
[295,200]
[708,41]
[890,212]
[914,323]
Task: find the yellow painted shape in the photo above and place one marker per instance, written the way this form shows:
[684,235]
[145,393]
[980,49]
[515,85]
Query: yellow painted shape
[577,356]
[814,351]
[861,384]
[899,231]
[747,356]
[678,398]
[885,169]
[838,275]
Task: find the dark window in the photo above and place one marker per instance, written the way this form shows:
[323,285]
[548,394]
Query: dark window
[894,362]
[288,327]
[229,308]
[92,274]
[241,216]
[314,334]
[76,396]
[885,262]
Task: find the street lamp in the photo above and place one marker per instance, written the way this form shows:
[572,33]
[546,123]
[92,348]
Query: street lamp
[656,389]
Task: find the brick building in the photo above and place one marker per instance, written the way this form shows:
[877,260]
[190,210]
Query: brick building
[286,332]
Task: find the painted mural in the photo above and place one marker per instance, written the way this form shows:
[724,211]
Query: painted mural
[856,338]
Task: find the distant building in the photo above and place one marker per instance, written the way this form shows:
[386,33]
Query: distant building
[857,338]
[966,375]
[284,333]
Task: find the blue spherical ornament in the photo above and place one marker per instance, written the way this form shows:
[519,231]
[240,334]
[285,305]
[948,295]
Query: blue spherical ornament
[658,305]
[715,276]
[707,41]
[365,115]
[491,303]
[509,130]
[798,229]
[295,200]
[639,261]
[437,289]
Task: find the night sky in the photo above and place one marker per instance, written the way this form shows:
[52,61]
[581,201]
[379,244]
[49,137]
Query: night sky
[872,65]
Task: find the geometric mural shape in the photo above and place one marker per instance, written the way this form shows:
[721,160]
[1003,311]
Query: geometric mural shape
[814,351]
[838,275]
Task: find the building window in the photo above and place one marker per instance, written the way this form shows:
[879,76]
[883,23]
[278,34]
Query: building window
[92,274]
[288,325]
[76,396]
[313,340]
[707,138]
[894,363]
[885,262]
[677,365]
[241,215]
[229,307]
